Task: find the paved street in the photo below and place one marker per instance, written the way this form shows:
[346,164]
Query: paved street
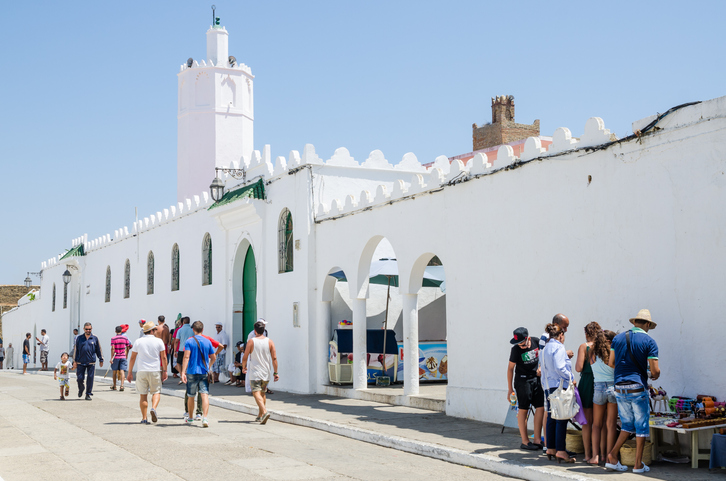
[42,437]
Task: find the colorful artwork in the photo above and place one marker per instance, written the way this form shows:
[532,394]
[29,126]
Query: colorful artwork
[375,367]
[433,361]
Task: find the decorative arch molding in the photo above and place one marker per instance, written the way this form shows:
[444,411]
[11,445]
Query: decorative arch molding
[207,260]
[364,264]
[127,279]
[108,284]
[150,273]
[175,267]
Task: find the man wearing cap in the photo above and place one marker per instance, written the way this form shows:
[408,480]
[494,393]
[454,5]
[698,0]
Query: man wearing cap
[223,339]
[632,352]
[525,358]
[149,352]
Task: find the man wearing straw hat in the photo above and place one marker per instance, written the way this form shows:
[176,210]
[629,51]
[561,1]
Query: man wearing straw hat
[632,352]
[148,353]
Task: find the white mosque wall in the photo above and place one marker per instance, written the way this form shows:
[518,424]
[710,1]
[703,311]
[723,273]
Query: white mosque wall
[594,234]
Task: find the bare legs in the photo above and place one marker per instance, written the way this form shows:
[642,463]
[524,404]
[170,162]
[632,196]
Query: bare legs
[598,413]
[639,445]
[261,400]
[587,434]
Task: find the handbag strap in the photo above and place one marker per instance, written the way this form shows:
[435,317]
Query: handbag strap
[642,371]
[200,354]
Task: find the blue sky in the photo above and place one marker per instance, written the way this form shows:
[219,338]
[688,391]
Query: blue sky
[88,116]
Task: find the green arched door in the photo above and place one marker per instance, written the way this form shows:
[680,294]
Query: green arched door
[249,290]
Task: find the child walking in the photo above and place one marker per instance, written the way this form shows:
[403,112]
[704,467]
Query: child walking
[62,374]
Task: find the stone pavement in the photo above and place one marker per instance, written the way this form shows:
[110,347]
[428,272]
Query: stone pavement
[43,438]
[427,433]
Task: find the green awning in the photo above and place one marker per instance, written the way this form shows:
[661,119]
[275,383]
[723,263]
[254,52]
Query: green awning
[256,191]
[75,252]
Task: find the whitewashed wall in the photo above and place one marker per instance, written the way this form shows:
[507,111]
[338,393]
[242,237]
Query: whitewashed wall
[595,235]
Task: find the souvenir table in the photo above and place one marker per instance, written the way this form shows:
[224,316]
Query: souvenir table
[656,438]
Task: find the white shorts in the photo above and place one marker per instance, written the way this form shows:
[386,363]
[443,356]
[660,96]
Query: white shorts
[148,382]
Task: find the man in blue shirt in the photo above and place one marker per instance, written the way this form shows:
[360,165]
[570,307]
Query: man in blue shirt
[86,349]
[181,335]
[198,357]
[632,352]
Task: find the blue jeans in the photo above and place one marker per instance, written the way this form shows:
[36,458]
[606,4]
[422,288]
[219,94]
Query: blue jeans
[556,429]
[197,382]
[604,393]
[81,371]
[634,410]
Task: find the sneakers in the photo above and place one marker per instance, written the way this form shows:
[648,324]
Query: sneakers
[144,421]
[205,423]
[228,383]
[186,416]
[153,415]
[258,418]
[198,417]
[188,420]
[67,390]
[265,417]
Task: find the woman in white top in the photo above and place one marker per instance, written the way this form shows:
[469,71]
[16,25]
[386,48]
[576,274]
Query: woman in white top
[556,367]
[603,398]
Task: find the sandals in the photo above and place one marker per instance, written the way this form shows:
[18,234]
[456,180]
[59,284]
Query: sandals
[121,388]
[616,467]
[113,388]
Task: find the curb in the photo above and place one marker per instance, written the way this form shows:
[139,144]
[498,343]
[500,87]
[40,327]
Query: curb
[485,462]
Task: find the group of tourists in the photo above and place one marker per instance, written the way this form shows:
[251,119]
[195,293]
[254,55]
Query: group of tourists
[195,358]
[614,371]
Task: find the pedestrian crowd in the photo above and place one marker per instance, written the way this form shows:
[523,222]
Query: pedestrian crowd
[614,371]
[194,358]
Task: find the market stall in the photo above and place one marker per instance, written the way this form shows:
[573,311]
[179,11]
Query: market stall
[340,355]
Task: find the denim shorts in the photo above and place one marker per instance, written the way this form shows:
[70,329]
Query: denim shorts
[604,393]
[197,382]
[119,365]
[634,410]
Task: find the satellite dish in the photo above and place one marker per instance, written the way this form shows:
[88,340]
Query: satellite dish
[232,60]
[190,61]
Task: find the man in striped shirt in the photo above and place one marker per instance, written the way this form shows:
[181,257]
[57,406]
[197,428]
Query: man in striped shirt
[120,347]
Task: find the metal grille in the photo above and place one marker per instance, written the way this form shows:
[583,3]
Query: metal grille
[150,273]
[175,268]
[108,284]
[127,279]
[285,242]
[207,260]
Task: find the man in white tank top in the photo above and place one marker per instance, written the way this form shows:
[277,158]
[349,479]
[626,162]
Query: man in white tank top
[262,358]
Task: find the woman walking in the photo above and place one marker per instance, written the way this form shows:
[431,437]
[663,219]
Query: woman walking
[556,367]
[586,386]
[604,404]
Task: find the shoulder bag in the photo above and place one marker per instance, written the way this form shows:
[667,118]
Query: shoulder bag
[563,403]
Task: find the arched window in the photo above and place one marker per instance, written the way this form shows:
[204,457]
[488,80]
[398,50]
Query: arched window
[127,279]
[108,284]
[175,268]
[150,273]
[284,241]
[207,260]
[53,305]
[65,295]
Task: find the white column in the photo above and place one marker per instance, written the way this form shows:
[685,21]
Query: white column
[410,344]
[323,337]
[360,369]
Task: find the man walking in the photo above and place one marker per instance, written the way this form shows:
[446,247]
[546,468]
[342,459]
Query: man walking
[162,332]
[182,334]
[2,355]
[198,356]
[26,353]
[631,353]
[9,358]
[259,352]
[43,343]
[120,346]
[220,364]
[150,354]
[88,347]
[73,350]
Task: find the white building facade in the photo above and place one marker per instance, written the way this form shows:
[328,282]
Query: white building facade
[591,228]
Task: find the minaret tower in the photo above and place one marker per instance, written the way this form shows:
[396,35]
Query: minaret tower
[215,115]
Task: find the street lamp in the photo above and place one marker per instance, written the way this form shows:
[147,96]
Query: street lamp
[217,186]
[28,281]
[217,189]
[66,277]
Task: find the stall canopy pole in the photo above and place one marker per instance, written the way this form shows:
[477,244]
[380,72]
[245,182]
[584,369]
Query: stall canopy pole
[385,324]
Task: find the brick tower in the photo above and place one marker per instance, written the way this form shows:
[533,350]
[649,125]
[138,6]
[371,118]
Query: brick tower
[503,129]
